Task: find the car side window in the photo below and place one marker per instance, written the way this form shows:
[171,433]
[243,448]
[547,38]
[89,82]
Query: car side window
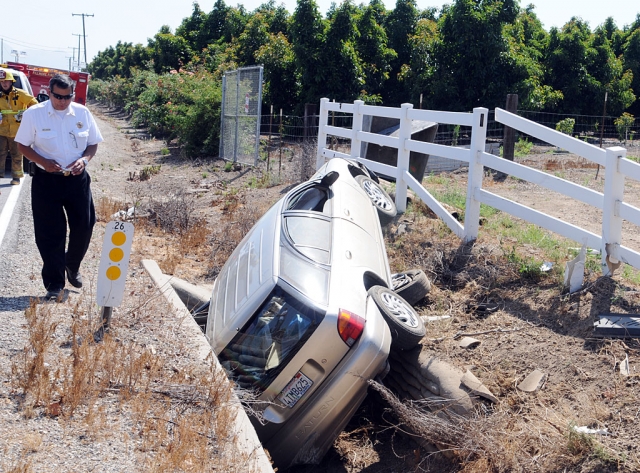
[272,337]
[310,236]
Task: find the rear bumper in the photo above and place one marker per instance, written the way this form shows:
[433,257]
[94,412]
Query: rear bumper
[306,437]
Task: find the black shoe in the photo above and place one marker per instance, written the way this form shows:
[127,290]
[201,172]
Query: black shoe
[58,295]
[74,278]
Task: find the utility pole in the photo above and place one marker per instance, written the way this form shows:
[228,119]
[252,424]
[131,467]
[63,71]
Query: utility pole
[70,58]
[78,35]
[84,35]
[73,58]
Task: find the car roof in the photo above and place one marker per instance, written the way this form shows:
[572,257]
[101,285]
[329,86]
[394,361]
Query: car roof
[22,81]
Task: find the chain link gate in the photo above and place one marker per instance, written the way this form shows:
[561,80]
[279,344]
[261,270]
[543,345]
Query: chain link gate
[241,110]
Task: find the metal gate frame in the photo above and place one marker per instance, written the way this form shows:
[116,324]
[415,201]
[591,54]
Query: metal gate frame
[234,136]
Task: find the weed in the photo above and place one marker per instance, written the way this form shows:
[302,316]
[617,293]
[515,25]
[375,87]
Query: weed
[106,207]
[265,181]
[527,267]
[523,147]
[630,273]
[228,166]
[165,151]
[148,171]
[205,175]
[437,179]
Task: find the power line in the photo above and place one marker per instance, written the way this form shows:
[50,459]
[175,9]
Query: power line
[38,47]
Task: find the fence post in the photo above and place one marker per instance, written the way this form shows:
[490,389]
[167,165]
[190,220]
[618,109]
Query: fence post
[404,134]
[476,173]
[355,128]
[509,141]
[322,132]
[611,220]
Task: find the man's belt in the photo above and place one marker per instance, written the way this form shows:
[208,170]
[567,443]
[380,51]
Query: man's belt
[38,170]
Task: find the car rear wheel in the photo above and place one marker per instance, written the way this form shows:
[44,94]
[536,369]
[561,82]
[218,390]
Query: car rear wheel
[407,328]
[412,285]
[380,199]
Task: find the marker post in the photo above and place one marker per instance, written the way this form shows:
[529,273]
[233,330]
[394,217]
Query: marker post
[112,272]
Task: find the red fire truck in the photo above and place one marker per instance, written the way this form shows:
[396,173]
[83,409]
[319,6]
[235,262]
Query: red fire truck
[39,79]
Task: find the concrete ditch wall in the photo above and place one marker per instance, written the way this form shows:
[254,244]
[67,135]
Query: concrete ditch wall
[246,437]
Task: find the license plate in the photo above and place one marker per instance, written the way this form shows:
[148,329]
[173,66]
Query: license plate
[294,391]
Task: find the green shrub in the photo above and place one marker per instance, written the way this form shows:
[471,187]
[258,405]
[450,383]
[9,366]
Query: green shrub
[183,106]
[566,126]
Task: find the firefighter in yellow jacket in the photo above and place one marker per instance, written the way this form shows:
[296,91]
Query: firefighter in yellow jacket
[13,102]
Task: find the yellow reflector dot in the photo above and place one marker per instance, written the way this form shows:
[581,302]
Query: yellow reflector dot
[118,238]
[116,255]
[113,273]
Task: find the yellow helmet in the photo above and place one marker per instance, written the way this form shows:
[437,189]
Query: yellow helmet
[6,75]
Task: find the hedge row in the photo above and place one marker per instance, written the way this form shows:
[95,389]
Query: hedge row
[182,106]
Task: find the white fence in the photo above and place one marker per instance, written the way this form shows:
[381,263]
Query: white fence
[617,168]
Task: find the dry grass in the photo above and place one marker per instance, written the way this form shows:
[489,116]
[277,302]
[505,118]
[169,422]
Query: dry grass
[496,441]
[106,207]
[178,418]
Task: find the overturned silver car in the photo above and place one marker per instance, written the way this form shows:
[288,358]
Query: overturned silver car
[303,313]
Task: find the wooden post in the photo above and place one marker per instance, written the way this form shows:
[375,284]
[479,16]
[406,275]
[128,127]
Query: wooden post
[509,143]
[281,138]
[269,142]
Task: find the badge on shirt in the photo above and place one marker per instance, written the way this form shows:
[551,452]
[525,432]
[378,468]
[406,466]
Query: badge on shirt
[79,125]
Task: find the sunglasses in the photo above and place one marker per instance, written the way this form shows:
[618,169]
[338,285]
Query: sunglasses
[62,97]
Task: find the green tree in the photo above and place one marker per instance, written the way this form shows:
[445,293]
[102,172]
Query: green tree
[341,66]
[475,63]
[372,47]
[400,25]
[567,66]
[191,26]
[255,35]
[213,26]
[169,51]
[308,38]
[632,64]
[276,17]
[280,88]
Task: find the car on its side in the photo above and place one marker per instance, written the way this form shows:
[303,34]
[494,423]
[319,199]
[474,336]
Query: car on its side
[303,313]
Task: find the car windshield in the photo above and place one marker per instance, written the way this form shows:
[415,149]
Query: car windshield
[272,337]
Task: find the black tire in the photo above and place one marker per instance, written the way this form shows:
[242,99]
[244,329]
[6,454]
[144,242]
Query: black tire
[407,328]
[385,206]
[412,286]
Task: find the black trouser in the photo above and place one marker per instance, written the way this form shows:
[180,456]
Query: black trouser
[53,195]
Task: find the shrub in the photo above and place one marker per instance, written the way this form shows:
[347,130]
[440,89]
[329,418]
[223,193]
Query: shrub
[184,106]
[623,123]
[566,126]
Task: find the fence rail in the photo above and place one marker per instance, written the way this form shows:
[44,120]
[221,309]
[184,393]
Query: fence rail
[290,129]
[611,201]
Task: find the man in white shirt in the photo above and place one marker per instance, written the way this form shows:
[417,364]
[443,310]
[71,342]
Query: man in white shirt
[60,137]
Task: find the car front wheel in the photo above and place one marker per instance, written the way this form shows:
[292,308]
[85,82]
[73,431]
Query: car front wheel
[407,328]
[379,198]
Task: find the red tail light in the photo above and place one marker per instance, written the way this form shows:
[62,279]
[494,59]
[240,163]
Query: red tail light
[350,326]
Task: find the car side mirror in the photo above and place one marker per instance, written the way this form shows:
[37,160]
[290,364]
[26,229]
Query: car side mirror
[42,98]
[329,178]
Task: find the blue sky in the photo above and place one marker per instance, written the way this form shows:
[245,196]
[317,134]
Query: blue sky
[48,38]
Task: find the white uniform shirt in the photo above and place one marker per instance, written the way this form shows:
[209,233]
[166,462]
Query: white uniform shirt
[62,137]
